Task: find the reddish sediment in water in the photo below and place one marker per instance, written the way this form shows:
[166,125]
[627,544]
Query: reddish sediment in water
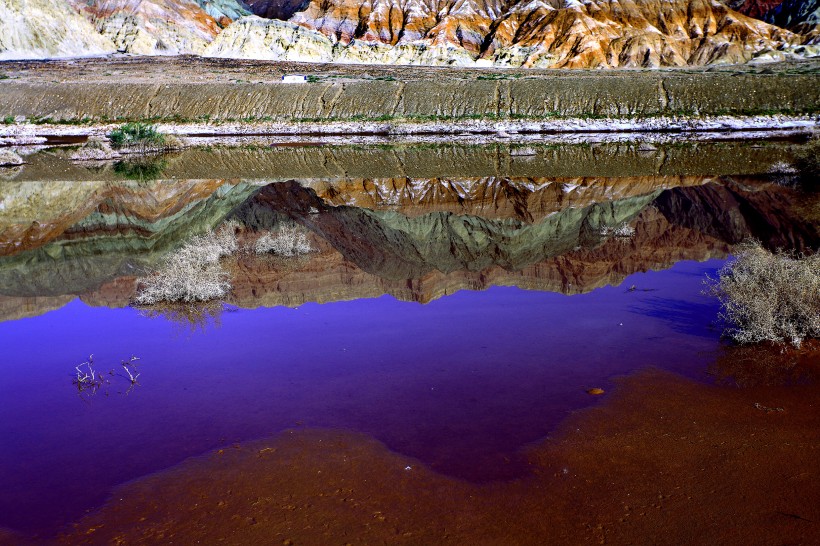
[663,460]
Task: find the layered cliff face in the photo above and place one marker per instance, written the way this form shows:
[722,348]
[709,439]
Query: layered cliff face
[151,27]
[554,33]
[362,252]
[794,13]
[328,275]
[753,8]
[396,246]
[801,16]
[380,223]
[276,9]
[540,33]
[225,11]
[36,213]
[44,28]
[492,198]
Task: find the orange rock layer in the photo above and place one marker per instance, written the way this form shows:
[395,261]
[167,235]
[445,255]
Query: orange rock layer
[557,33]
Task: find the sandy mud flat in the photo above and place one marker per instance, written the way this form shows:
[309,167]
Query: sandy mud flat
[663,457]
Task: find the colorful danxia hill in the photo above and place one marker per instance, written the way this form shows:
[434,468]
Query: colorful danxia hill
[501,33]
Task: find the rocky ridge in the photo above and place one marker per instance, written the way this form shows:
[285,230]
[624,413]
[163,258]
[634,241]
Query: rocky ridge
[802,16]
[753,8]
[382,222]
[795,14]
[555,33]
[35,213]
[71,237]
[225,11]
[537,33]
[31,29]
[151,27]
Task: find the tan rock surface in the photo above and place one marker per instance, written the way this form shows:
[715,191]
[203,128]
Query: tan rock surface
[150,27]
[554,33]
[526,199]
[532,34]
[31,29]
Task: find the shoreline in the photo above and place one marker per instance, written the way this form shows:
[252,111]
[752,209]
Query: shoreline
[739,127]
[305,157]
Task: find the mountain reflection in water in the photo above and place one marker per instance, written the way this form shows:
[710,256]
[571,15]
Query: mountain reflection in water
[462,383]
[418,238]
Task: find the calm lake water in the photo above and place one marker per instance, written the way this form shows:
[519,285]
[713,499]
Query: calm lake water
[529,301]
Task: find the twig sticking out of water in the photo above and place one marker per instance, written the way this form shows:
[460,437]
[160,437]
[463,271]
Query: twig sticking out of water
[87,378]
[89,382]
[131,369]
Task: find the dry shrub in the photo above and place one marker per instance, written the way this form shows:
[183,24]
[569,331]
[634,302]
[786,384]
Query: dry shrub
[188,317]
[769,297]
[193,272]
[287,241]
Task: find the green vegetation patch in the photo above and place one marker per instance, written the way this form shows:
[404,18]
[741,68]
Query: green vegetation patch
[137,135]
[149,169]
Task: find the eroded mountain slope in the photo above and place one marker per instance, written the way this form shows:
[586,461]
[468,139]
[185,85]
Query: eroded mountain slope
[149,27]
[44,28]
[528,33]
[538,33]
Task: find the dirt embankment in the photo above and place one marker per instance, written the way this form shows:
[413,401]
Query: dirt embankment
[189,89]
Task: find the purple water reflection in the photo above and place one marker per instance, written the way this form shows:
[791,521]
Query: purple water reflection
[461,383]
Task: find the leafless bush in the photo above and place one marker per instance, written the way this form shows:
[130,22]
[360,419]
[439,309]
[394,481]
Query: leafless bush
[188,317]
[8,158]
[193,272]
[769,297]
[95,149]
[624,230]
[287,241]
